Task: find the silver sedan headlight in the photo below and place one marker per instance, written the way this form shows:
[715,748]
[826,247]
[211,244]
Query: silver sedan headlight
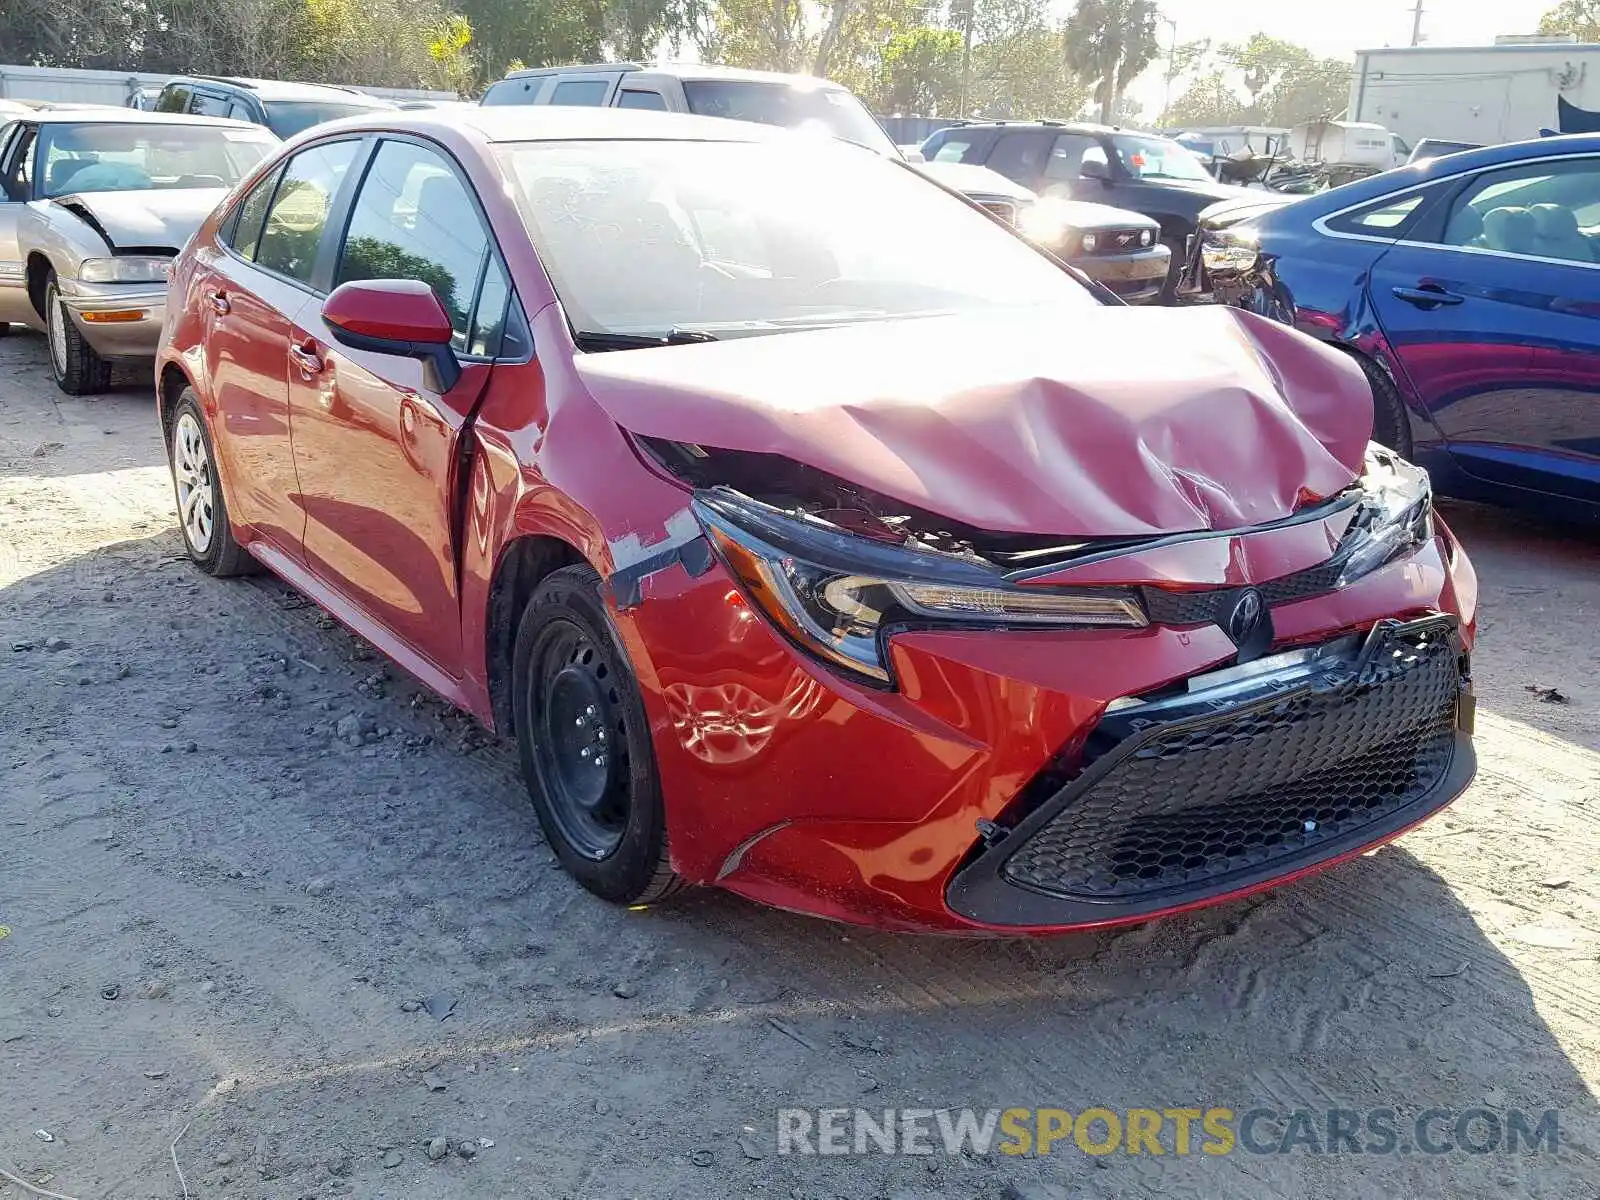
[130,268]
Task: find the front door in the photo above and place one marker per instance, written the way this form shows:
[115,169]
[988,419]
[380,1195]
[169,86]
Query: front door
[1494,314]
[375,447]
[16,171]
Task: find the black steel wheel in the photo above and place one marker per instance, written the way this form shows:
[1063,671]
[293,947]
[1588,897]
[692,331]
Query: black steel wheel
[585,743]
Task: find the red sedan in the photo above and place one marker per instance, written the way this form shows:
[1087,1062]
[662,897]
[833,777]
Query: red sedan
[815,535]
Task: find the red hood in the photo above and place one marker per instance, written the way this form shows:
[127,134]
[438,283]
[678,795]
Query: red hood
[1104,422]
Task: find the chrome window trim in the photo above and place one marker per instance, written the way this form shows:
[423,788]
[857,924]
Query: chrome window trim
[1321,223]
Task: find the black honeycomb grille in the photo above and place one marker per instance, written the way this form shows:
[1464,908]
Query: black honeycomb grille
[1223,795]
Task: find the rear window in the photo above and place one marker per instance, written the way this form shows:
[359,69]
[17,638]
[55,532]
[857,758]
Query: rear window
[830,110]
[289,117]
[582,93]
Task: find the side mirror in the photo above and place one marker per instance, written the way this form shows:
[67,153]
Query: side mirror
[914,155]
[395,316]
[1094,169]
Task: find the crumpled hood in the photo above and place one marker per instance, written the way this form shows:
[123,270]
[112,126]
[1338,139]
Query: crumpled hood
[1098,422]
[149,217]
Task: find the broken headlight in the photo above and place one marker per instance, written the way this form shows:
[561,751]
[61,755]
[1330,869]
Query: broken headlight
[1395,515]
[837,594]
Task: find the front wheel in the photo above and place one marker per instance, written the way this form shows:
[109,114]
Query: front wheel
[585,746]
[77,369]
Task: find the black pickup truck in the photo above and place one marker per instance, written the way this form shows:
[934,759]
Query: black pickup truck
[1138,171]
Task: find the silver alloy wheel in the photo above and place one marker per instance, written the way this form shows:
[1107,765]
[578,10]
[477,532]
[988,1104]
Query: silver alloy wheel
[56,318]
[191,468]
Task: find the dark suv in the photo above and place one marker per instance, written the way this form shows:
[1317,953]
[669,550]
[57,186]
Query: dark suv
[1139,171]
[284,108]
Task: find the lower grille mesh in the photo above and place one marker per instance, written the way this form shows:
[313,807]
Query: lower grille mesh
[1222,795]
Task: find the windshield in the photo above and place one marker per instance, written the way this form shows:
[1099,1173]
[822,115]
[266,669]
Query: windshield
[115,158]
[738,238]
[831,110]
[289,117]
[1159,158]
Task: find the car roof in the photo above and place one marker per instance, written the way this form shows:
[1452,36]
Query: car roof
[682,71]
[1088,127]
[129,116]
[280,89]
[559,123]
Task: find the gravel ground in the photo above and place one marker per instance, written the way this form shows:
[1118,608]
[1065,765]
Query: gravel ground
[246,868]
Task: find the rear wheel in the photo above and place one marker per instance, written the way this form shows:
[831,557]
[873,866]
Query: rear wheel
[585,744]
[202,512]
[77,369]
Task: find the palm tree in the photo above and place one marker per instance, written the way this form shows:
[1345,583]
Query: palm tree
[1108,42]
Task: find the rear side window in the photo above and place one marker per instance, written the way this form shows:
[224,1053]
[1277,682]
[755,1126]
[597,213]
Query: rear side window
[1387,218]
[512,91]
[240,111]
[244,233]
[174,98]
[641,99]
[413,219]
[952,149]
[299,211]
[581,92]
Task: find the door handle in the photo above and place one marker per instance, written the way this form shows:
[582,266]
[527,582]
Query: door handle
[307,359]
[1427,295]
[219,302]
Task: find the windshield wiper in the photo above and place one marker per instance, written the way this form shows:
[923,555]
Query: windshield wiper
[596,339]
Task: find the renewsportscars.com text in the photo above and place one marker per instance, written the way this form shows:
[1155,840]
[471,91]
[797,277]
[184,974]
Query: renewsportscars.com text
[1174,1131]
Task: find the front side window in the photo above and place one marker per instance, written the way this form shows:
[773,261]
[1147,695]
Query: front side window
[1158,158]
[117,158]
[789,105]
[413,219]
[744,239]
[581,92]
[245,233]
[1540,210]
[1069,153]
[208,105]
[1020,157]
[300,207]
[19,179]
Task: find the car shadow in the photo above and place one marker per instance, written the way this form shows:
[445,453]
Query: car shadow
[208,775]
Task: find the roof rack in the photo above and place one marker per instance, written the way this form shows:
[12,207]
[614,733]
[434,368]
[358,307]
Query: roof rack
[565,67]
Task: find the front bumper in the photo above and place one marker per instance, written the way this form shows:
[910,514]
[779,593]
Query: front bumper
[796,787]
[1135,277]
[120,320]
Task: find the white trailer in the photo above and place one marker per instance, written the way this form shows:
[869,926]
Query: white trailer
[1479,94]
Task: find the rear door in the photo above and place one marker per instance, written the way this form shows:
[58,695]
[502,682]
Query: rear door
[1021,156]
[16,170]
[253,282]
[1492,305]
[375,446]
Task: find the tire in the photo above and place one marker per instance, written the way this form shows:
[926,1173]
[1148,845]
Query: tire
[577,709]
[1390,425]
[77,369]
[202,510]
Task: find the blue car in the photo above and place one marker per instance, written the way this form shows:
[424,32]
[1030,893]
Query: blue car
[1468,288]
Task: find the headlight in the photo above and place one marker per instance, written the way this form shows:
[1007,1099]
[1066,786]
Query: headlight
[128,269]
[1229,253]
[1147,237]
[1396,515]
[838,595]
[1090,241]
[1045,221]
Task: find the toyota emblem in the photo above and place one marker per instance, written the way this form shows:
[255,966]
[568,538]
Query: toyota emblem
[1248,610]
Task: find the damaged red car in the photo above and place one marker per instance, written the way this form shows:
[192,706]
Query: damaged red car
[815,536]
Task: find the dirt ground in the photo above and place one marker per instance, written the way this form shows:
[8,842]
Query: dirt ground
[237,850]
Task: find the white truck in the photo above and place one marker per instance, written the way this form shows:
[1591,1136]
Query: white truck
[1348,149]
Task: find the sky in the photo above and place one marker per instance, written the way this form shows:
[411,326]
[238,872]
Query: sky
[1337,28]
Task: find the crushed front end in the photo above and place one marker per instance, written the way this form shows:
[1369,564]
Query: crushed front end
[871,713]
